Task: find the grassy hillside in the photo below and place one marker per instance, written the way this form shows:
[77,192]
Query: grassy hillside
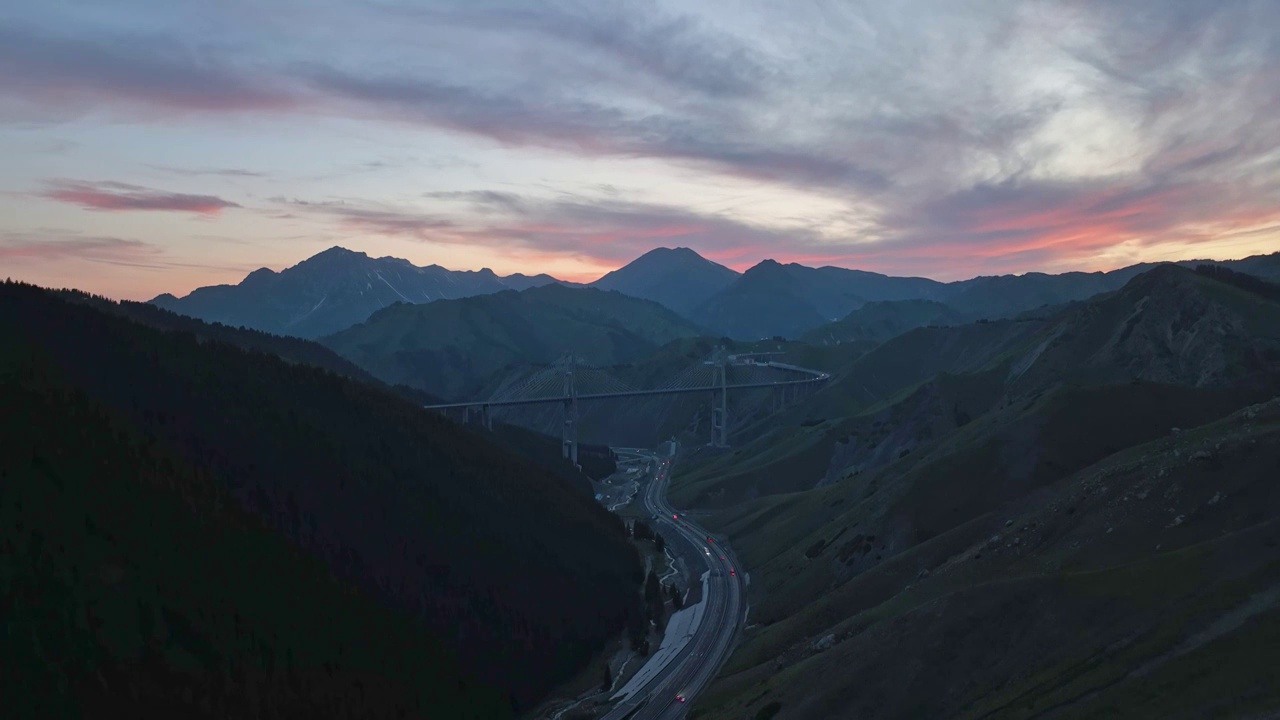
[793,450]
[880,321]
[1145,585]
[193,530]
[1171,325]
[1007,454]
[1066,527]
[451,347]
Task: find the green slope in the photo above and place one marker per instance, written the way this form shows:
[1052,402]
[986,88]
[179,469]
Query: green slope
[1145,585]
[1170,325]
[881,321]
[451,347]
[1038,534]
[793,450]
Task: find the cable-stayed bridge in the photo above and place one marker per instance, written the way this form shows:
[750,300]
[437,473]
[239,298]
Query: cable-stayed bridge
[569,383]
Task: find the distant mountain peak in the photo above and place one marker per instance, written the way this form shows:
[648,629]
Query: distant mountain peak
[337,251]
[668,255]
[678,278]
[765,268]
[259,276]
[333,257]
[1164,271]
[673,252]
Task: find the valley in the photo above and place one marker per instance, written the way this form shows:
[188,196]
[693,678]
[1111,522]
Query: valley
[929,504]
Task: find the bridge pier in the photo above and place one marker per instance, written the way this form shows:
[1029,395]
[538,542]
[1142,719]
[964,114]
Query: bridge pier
[569,431]
[485,413]
[720,400]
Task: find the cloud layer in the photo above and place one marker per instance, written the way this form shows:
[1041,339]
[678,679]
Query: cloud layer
[926,137]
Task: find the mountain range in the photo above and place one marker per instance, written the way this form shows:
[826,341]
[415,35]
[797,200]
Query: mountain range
[334,290]
[339,288]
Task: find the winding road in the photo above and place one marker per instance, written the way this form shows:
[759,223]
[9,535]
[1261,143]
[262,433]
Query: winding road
[694,666]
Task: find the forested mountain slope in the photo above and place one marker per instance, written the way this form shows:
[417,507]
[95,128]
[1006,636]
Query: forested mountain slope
[542,449]
[194,530]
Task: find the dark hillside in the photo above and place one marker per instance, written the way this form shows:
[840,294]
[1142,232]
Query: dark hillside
[134,585]
[427,529]
[286,347]
[542,449]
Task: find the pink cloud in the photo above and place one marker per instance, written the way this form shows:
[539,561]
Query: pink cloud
[101,249]
[116,197]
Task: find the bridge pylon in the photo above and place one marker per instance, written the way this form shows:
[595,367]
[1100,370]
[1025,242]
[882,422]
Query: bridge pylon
[569,431]
[720,398]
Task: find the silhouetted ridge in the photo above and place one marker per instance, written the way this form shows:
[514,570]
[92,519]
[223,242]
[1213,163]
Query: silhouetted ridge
[331,291]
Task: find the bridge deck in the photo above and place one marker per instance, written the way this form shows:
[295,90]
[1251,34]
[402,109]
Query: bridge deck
[816,377]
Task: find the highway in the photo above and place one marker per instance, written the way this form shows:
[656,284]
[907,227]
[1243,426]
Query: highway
[706,652]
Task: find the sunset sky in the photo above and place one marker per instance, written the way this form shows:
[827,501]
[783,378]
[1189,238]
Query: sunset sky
[159,145]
